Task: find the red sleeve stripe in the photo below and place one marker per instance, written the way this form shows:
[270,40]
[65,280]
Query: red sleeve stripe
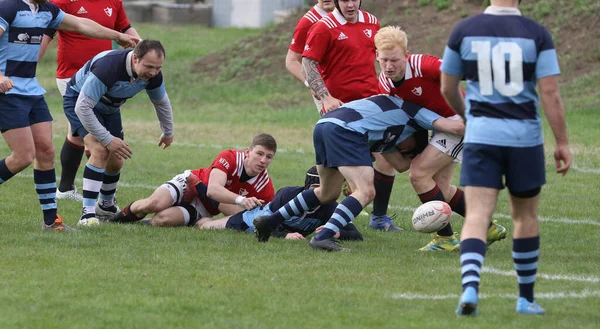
[383,81]
[329,22]
[239,162]
[262,181]
[415,63]
[372,19]
[311,17]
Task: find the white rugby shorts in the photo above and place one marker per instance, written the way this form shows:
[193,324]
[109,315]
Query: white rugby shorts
[177,187]
[62,85]
[449,143]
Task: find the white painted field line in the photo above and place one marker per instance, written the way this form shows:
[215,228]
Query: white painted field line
[549,295]
[552,277]
[394,207]
[505,216]
[586,170]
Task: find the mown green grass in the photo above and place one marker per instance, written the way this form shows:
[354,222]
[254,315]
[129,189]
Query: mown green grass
[133,276]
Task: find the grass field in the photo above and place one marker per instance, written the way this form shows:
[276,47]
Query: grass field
[133,276]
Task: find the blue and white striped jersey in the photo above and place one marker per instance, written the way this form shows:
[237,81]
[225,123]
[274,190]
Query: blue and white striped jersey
[108,81]
[385,120]
[24,28]
[502,55]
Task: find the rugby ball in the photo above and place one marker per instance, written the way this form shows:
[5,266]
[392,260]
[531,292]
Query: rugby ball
[431,216]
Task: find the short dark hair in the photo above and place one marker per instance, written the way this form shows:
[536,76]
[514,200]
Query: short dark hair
[145,46]
[265,140]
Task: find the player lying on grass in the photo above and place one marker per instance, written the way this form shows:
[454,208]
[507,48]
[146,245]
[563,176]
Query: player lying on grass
[235,181]
[343,141]
[416,78]
[295,228]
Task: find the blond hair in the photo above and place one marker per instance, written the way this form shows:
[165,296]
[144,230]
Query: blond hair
[389,37]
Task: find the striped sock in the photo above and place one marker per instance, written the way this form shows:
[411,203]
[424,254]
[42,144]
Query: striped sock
[45,186]
[108,189]
[344,213]
[301,203]
[472,253]
[525,255]
[92,182]
[5,174]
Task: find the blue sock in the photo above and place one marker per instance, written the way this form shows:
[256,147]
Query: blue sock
[5,174]
[472,253]
[45,186]
[525,255]
[343,214]
[300,204]
[92,182]
[108,189]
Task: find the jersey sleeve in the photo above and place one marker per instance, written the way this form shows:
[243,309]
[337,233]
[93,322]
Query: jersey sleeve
[547,62]
[317,42]
[225,162]
[122,23]
[8,14]
[58,16]
[156,87]
[385,86]
[451,61]
[430,67]
[299,36]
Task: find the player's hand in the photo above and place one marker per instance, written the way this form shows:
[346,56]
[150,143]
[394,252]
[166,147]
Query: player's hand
[119,148]
[127,41]
[165,142]
[294,236]
[562,157]
[6,84]
[336,236]
[329,104]
[250,203]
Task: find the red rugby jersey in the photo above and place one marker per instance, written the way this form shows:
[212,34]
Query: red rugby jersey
[232,163]
[346,54]
[304,24]
[421,84]
[74,49]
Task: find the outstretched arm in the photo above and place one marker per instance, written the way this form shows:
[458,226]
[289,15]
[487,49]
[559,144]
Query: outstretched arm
[216,190]
[92,29]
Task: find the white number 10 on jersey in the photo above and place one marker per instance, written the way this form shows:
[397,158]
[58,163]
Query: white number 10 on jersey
[493,59]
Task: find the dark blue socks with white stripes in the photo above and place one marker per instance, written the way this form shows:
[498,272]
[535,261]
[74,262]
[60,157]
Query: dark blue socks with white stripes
[343,214]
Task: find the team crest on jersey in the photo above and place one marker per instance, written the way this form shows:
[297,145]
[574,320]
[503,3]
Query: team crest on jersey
[243,192]
[108,11]
[368,33]
[417,91]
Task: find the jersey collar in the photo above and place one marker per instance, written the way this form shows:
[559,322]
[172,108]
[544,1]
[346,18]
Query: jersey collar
[321,12]
[502,11]
[32,6]
[132,75]
[340,18]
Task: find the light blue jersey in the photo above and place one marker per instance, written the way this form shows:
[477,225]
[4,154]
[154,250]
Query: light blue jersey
[24,28]
[501,55]
[385,120]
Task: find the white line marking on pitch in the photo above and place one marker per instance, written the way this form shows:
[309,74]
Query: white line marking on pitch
[541,218]
[552,277]
[401,208]
[547,295]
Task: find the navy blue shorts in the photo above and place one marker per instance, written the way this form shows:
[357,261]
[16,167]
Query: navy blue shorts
[523,168]
[19,111]
[339,147]
[112,122]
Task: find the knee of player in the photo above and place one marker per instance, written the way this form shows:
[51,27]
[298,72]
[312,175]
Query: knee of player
[100,153]
[416,175]
[23,158]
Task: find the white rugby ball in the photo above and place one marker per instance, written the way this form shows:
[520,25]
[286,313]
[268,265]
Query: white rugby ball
[431,216]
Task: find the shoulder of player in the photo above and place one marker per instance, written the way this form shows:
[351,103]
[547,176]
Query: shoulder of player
[369,18]
[418,62]
[385,82]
